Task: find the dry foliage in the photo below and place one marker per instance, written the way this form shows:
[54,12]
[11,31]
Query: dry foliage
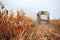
[55,22]
[11,26]
[21,27]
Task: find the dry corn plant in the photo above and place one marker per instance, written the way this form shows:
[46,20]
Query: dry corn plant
[21,27]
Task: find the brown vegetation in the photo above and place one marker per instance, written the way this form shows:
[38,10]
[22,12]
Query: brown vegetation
[11,26]
[21,27]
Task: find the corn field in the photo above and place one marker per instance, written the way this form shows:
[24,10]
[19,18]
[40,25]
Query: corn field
[21,27]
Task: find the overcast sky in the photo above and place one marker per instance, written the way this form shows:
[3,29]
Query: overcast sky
[32,7]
